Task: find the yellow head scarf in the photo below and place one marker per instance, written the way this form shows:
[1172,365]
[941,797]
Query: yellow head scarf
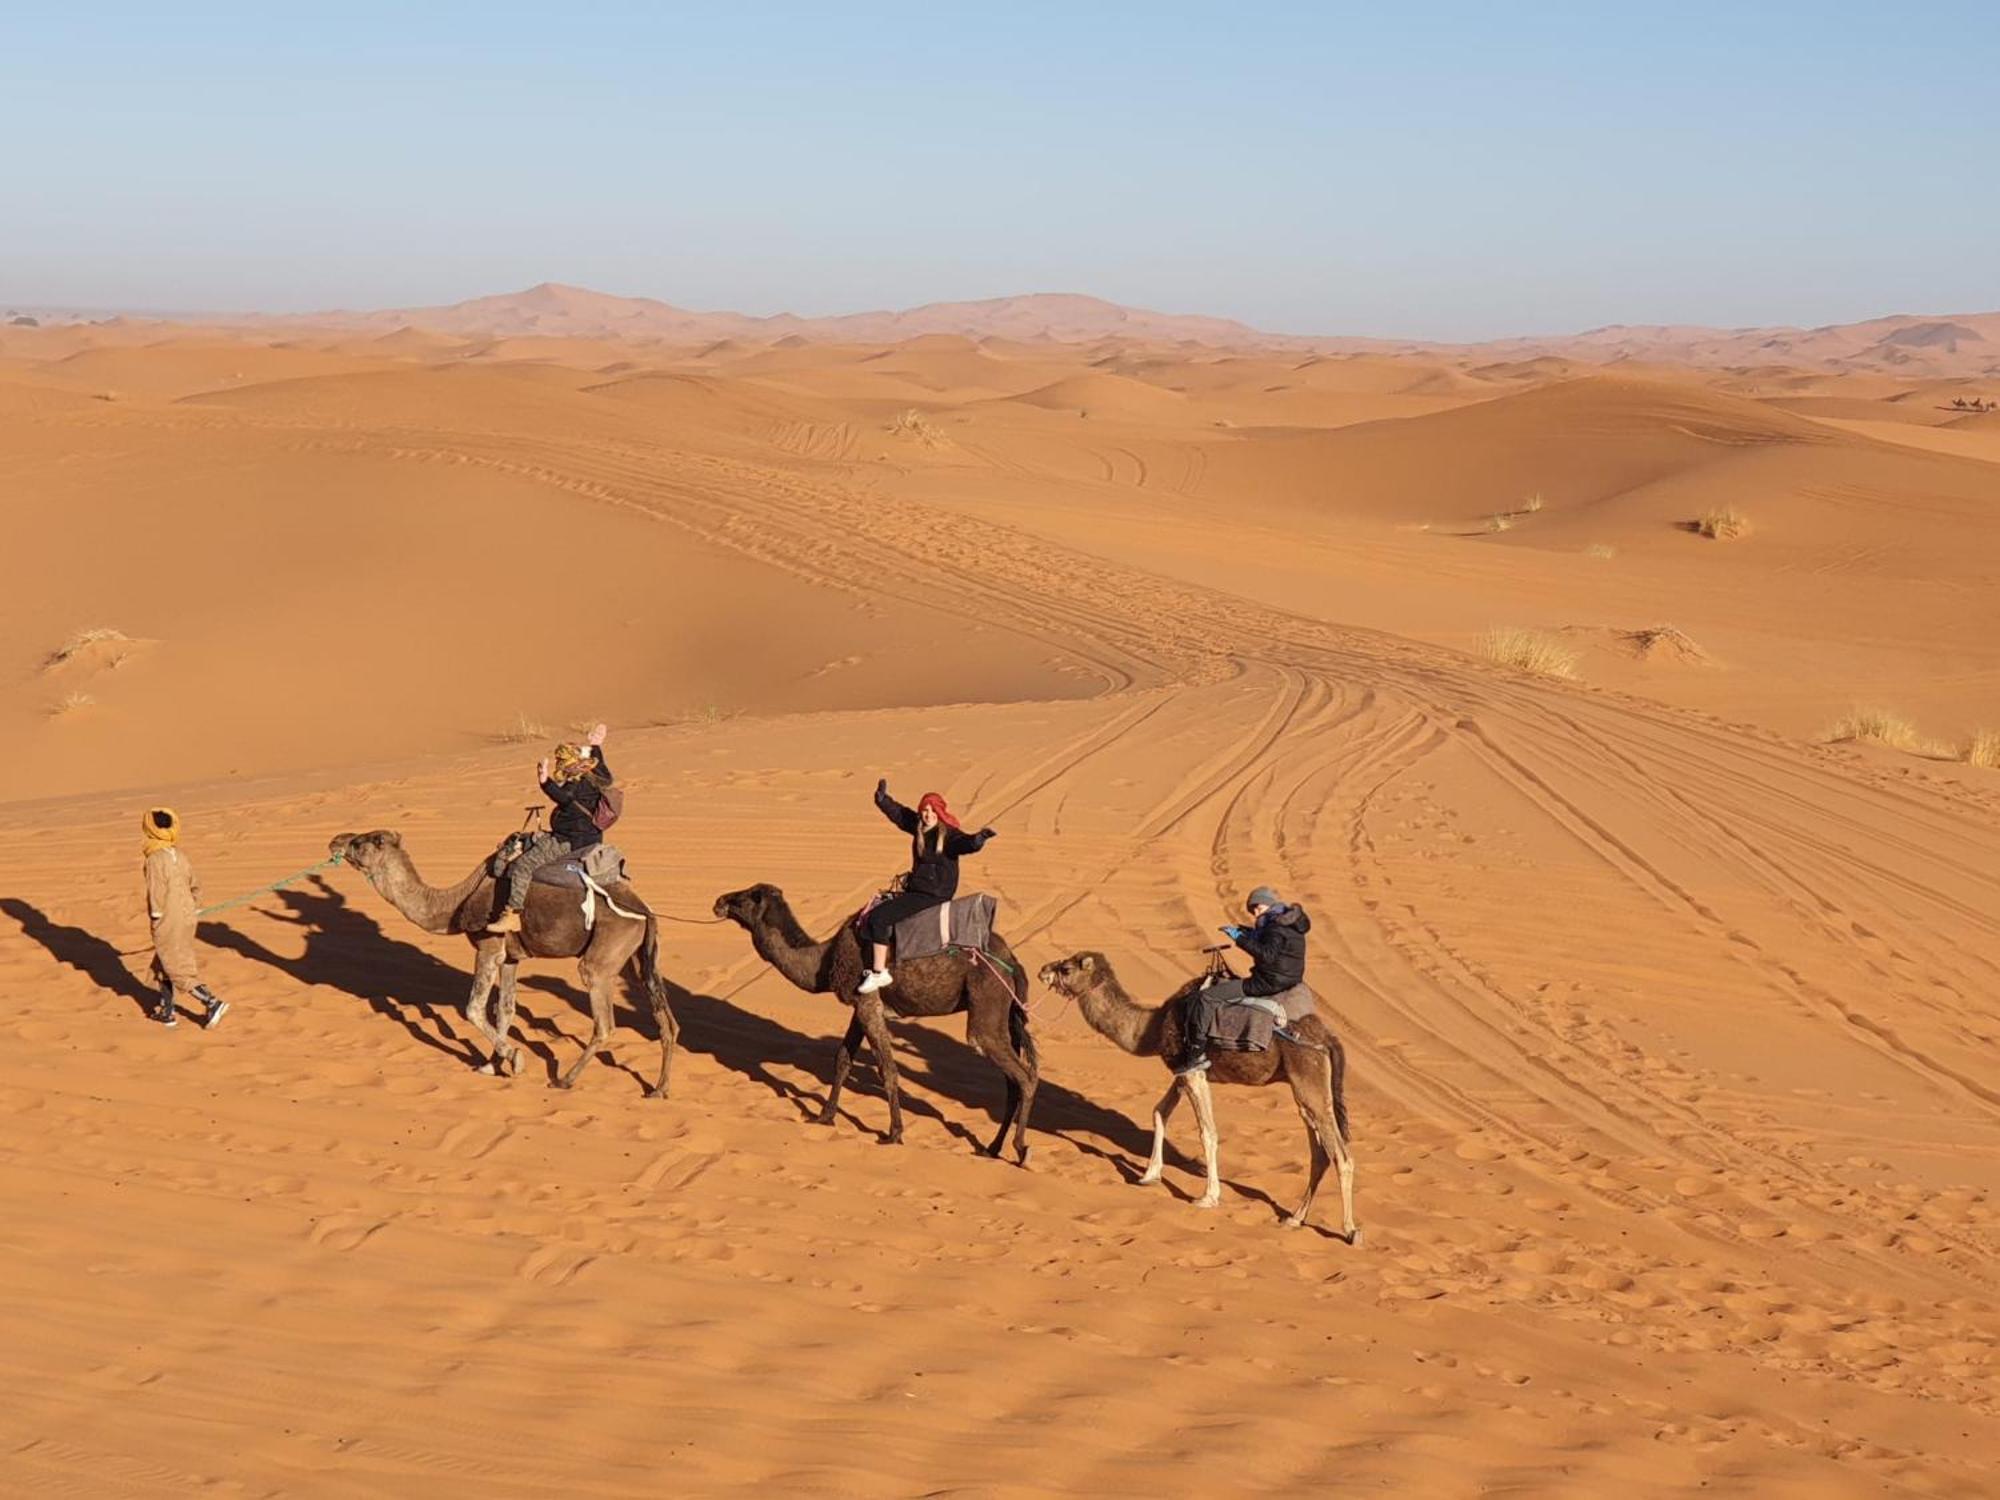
[163,829]
[571,761]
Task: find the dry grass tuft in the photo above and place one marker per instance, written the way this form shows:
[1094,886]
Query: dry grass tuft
[1602,551]
[1532,504]
[1724,525]
[1878,726]
[1665,641]
[1502,522]
[524,730]
[82,640]
[1983,749]
[914,424]
[72,703]
[1528,651]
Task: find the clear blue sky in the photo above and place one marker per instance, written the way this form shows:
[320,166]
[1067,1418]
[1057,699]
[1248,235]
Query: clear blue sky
[1443,169]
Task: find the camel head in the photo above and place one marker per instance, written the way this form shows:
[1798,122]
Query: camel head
[747,907]
[1074,975]
[365,851]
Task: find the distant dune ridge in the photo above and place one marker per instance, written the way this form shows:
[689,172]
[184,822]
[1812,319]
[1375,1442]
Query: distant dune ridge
[1904,344]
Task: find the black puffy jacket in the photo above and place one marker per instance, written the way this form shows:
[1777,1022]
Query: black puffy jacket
[933,859]
[576,801]
[1277,949]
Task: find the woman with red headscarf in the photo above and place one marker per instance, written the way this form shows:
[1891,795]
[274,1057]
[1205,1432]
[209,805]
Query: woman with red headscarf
[937,842]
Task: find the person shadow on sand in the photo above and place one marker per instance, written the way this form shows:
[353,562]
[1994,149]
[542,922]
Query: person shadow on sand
[82,950]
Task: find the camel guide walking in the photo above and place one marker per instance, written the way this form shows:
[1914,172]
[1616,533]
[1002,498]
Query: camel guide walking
[171,893]
[578,781]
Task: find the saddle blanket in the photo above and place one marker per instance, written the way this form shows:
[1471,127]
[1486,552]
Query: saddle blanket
[1246,1024]
[964,923]
[602,863]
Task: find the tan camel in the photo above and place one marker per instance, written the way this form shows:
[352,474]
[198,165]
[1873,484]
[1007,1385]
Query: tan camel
[551,927]
[997,1017]
[1315,1066]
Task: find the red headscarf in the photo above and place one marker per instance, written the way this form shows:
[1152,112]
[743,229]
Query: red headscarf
[935,802]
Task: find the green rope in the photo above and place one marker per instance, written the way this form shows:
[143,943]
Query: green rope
[265,890]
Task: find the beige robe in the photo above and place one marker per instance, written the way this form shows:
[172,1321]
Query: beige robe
[171,894]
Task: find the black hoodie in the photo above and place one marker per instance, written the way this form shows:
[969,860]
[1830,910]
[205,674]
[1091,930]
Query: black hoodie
[1277,949]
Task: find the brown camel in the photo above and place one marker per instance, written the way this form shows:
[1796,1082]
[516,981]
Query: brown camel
[1315,1066]
[997,1018]
[551,927]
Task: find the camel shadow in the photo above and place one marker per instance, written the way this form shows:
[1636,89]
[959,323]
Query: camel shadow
[347,950]
[84,951]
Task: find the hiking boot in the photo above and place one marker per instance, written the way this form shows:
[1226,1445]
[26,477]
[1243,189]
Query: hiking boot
[873,980]
[507,921]
[1193,1058]
[217,1009]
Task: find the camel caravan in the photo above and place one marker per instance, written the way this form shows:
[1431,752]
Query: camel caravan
[918,949]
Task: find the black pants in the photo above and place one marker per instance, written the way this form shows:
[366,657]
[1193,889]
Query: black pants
[882,920]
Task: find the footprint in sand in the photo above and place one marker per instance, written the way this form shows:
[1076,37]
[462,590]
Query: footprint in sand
[345,1232]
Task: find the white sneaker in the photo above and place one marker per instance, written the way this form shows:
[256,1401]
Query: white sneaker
[873,980]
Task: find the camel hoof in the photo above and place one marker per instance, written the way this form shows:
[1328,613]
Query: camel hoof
[657,1091]
[486,1069]
[1151,1179]
[1021,1157]
[1354,1237]
[1207,1202]
[821,1120]
[893,1138]
[1293,1221]
[560,1083]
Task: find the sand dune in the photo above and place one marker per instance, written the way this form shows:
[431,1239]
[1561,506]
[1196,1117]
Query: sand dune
[1670,1027]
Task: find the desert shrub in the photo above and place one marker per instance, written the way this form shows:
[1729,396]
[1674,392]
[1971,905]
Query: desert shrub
[1528,651]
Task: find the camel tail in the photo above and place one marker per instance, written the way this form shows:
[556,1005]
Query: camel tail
[647,962]
[1018,1033]
[1336,1056]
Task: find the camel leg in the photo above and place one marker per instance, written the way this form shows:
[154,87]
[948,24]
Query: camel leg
[988,1034]
[670,1035]
[506,1052]
[1343,1160]
[600,1021]
[843,1059]
[876,1022]
[1169,1102]
[485,972]
[1316,1148]
[1204,1113]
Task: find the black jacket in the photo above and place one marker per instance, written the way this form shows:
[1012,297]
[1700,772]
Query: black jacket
[575,802]
[1277,949]
[933,860]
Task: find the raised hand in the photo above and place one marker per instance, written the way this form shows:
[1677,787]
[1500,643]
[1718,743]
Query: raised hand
[597,735]
[542,770]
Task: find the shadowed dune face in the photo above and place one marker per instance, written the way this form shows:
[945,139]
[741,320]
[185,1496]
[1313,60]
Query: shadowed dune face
[1668,1029]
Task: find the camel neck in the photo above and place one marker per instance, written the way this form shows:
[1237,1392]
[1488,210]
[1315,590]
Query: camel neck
[785,946]
[430,907]
[1115,1015]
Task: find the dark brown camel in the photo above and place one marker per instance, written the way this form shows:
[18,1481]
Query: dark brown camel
[996,1024]
[1315,1067]
[551,927]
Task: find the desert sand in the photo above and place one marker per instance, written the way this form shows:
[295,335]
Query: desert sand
[1670,1015]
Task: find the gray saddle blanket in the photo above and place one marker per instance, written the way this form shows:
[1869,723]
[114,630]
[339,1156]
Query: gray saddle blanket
[1246,1024]
[964,923]
[603,863]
